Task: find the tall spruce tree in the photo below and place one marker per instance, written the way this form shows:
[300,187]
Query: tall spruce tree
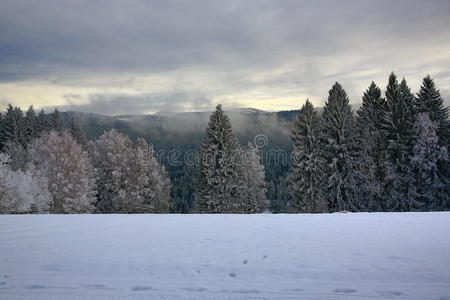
[398,131]
[430,188]
[307,176]
[56,121]
[218,189]
[42,123]
[429,100]
[30,125]
[346,173]
[77,132]
[13,125]
[368,122]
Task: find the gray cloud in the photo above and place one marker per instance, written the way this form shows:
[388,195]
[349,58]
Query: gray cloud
[79,43]
[116,104]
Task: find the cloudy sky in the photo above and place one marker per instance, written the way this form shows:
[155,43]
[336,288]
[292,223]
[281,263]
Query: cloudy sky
[136,57]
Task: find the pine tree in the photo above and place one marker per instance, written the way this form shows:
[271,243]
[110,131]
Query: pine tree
[345,173]
[397,129]
[429,100]
[71,177]
[77,132]
[368,121]
[14,125]
[42,123]
[30,125]
[308,170]
[56,122]
[218,189]
[253,181]
[430,189]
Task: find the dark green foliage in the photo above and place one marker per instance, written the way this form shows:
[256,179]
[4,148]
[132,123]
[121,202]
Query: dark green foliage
[217,187]
[368,122]
[429,100]
[341,154]
[307,175]
[397,129]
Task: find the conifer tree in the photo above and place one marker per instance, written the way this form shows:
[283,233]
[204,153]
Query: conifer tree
[56,122]
[2,131]
[430,188]
[218,189]
[307,176]
[429,100]
[42,123]
[77,132]
[30,125]
[397,129]
[13,125]
[345,172]
[368,122]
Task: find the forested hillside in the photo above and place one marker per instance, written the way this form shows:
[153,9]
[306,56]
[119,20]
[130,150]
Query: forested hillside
[176,136]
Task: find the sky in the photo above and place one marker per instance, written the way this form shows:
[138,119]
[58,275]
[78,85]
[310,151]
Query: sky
[138,57]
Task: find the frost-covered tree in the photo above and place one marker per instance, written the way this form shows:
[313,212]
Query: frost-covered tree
[218,189]
[253,181]
[149,184]
[71,177]
[429,100]
[130,180]
[22,191]
[430,189]
[18,155]
[307,176]
[345,171]
[398,131]
[112,158]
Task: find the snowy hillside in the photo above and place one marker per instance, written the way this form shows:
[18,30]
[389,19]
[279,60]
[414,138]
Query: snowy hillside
[328,256]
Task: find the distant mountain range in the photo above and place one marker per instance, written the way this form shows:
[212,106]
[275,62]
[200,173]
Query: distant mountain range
[188,128]
[183,132]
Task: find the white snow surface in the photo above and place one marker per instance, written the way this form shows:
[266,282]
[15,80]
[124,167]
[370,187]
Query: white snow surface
[327,256]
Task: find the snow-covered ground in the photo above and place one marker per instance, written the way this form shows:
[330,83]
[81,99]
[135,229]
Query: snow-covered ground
[330,256]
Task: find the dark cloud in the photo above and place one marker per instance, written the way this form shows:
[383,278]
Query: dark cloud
[313,43]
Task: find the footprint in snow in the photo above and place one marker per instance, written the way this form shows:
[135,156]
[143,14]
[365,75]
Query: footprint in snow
[232,274]
[195,289]
[245,261]
[345,291]
[35,286]
[389,293]
[2,282]
[265,256]
[142,288]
